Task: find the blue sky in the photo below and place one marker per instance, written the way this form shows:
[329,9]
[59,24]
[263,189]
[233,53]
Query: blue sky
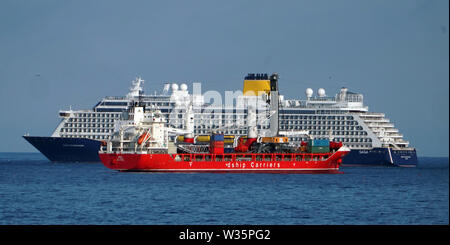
[56,54]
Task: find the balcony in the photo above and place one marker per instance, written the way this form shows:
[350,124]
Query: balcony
[372,115]
[370,120]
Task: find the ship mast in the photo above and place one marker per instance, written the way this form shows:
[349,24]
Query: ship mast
[274,106]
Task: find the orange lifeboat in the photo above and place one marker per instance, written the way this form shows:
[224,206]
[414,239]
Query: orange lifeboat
[143,137]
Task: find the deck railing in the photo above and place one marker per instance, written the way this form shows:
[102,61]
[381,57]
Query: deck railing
[256,157]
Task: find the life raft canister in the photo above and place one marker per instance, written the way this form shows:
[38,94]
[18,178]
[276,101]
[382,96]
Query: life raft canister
[143,138]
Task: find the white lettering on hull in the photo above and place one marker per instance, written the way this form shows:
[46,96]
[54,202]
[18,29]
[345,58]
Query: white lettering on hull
[252,165]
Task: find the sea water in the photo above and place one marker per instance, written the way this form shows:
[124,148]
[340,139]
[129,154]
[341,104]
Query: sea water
[34,190]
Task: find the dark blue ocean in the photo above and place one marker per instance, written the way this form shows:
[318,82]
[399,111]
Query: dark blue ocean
[36,191]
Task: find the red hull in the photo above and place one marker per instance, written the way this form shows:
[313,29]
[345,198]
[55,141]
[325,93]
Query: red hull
[235,163]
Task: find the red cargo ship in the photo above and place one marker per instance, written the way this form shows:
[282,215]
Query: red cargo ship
[236,163]
[142,144]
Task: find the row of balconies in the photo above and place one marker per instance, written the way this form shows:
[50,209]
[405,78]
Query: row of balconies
[392,135]
[384,120]
[380,125]
[371,114]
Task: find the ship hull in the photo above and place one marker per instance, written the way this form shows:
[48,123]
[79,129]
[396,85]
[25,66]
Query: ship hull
[58,149]
[381,157]
[220,163]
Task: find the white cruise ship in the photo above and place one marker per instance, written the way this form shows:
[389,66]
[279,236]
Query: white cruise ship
[372,138]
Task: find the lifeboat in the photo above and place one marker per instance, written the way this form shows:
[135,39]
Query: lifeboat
[144,137]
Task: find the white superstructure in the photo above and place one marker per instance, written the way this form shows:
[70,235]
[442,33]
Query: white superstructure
[343,116]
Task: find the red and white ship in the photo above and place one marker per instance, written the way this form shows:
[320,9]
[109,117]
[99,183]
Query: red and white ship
[142,144]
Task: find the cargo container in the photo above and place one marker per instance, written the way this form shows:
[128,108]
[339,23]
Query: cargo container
[219,150]
[318,149]
[228,150]
[228,141]
[216,147]
[217,137]
[275,139]
[317,142]
[203,138]
[216,144]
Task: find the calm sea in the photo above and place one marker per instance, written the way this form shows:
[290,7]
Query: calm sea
[36,191]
